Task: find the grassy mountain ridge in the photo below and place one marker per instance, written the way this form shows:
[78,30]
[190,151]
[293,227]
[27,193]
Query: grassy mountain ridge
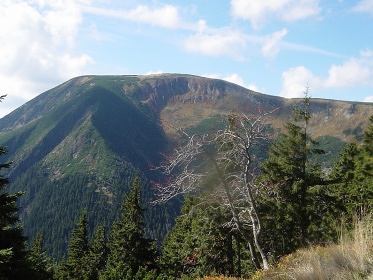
[79,144]
[81,153]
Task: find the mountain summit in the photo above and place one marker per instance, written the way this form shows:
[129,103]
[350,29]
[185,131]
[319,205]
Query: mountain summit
[79,145]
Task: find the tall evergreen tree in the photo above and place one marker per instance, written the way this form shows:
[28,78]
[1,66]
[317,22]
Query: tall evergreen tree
[129,250]
[368,138]
[38,259]
[299,203]
[367,163]
[13,255]
[97,254]
[201,243]
[354,173]
[12,242]
[76,265]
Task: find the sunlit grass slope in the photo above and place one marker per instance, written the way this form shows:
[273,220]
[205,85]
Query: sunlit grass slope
[351,259]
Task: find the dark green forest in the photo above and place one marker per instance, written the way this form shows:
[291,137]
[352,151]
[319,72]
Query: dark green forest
[249,197]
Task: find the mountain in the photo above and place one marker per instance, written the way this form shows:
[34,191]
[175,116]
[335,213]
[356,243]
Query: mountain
[79,145]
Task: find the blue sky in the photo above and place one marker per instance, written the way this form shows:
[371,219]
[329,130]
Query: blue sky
[277,47]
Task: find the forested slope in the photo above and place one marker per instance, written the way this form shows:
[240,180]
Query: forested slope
[79,146]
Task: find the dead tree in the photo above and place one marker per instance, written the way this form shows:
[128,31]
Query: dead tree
[226,161]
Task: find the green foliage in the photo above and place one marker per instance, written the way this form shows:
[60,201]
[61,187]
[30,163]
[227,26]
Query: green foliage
[202,243]
[78,249]
[300,207]
[332,146]
[129,250]
[97,256]
[178,243]
[13,255]
[38,259]
[120,270]
[61,271]
[85,260]
[5,255]
[81,152]
[368,138]
[354,173]
[82,156]
[76,265]
[345,168]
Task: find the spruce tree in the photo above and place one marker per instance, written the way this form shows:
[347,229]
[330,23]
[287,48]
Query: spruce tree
[97,254]
[201,243]
[13,254]
[354,174]
[78,250]
[368,139]
[367,162]
[366,180]
[38,259]
[61,271]
[299,202]
[129,250]
[179,244]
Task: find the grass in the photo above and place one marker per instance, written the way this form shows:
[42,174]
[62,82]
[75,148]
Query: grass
[220,278]
[351,259]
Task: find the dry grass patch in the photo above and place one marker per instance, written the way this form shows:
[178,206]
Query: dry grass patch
[220,278]
[351,259]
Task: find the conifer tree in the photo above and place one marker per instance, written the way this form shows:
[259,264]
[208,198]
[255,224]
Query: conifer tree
[368,138]
[354,174]
[78,249]
[199,243]
[38,259]
[129,250]
[367,168]
[299,203]
[367,163]
[13,261]
[13,255]
[61,270]
[97,254]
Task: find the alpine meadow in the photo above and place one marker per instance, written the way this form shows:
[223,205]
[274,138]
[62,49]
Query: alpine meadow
[175,176]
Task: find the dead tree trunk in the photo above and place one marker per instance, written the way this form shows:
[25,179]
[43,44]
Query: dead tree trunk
[231,160]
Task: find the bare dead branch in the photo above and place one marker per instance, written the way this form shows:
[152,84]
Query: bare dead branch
[224,159]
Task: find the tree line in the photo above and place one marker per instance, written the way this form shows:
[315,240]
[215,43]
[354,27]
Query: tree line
[241,212]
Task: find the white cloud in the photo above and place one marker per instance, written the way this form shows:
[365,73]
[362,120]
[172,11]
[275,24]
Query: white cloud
[368,99]
[166,16]
[62,20]
[38,45]
[232,42]
[259,11]
[151,72]
[271,45]
[233,78]
[353,72]
[364,6]
[253,87]
[217,43]
[70,66]
[295,81]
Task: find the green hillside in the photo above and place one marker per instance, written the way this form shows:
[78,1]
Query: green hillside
[79,145]
[80,153]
